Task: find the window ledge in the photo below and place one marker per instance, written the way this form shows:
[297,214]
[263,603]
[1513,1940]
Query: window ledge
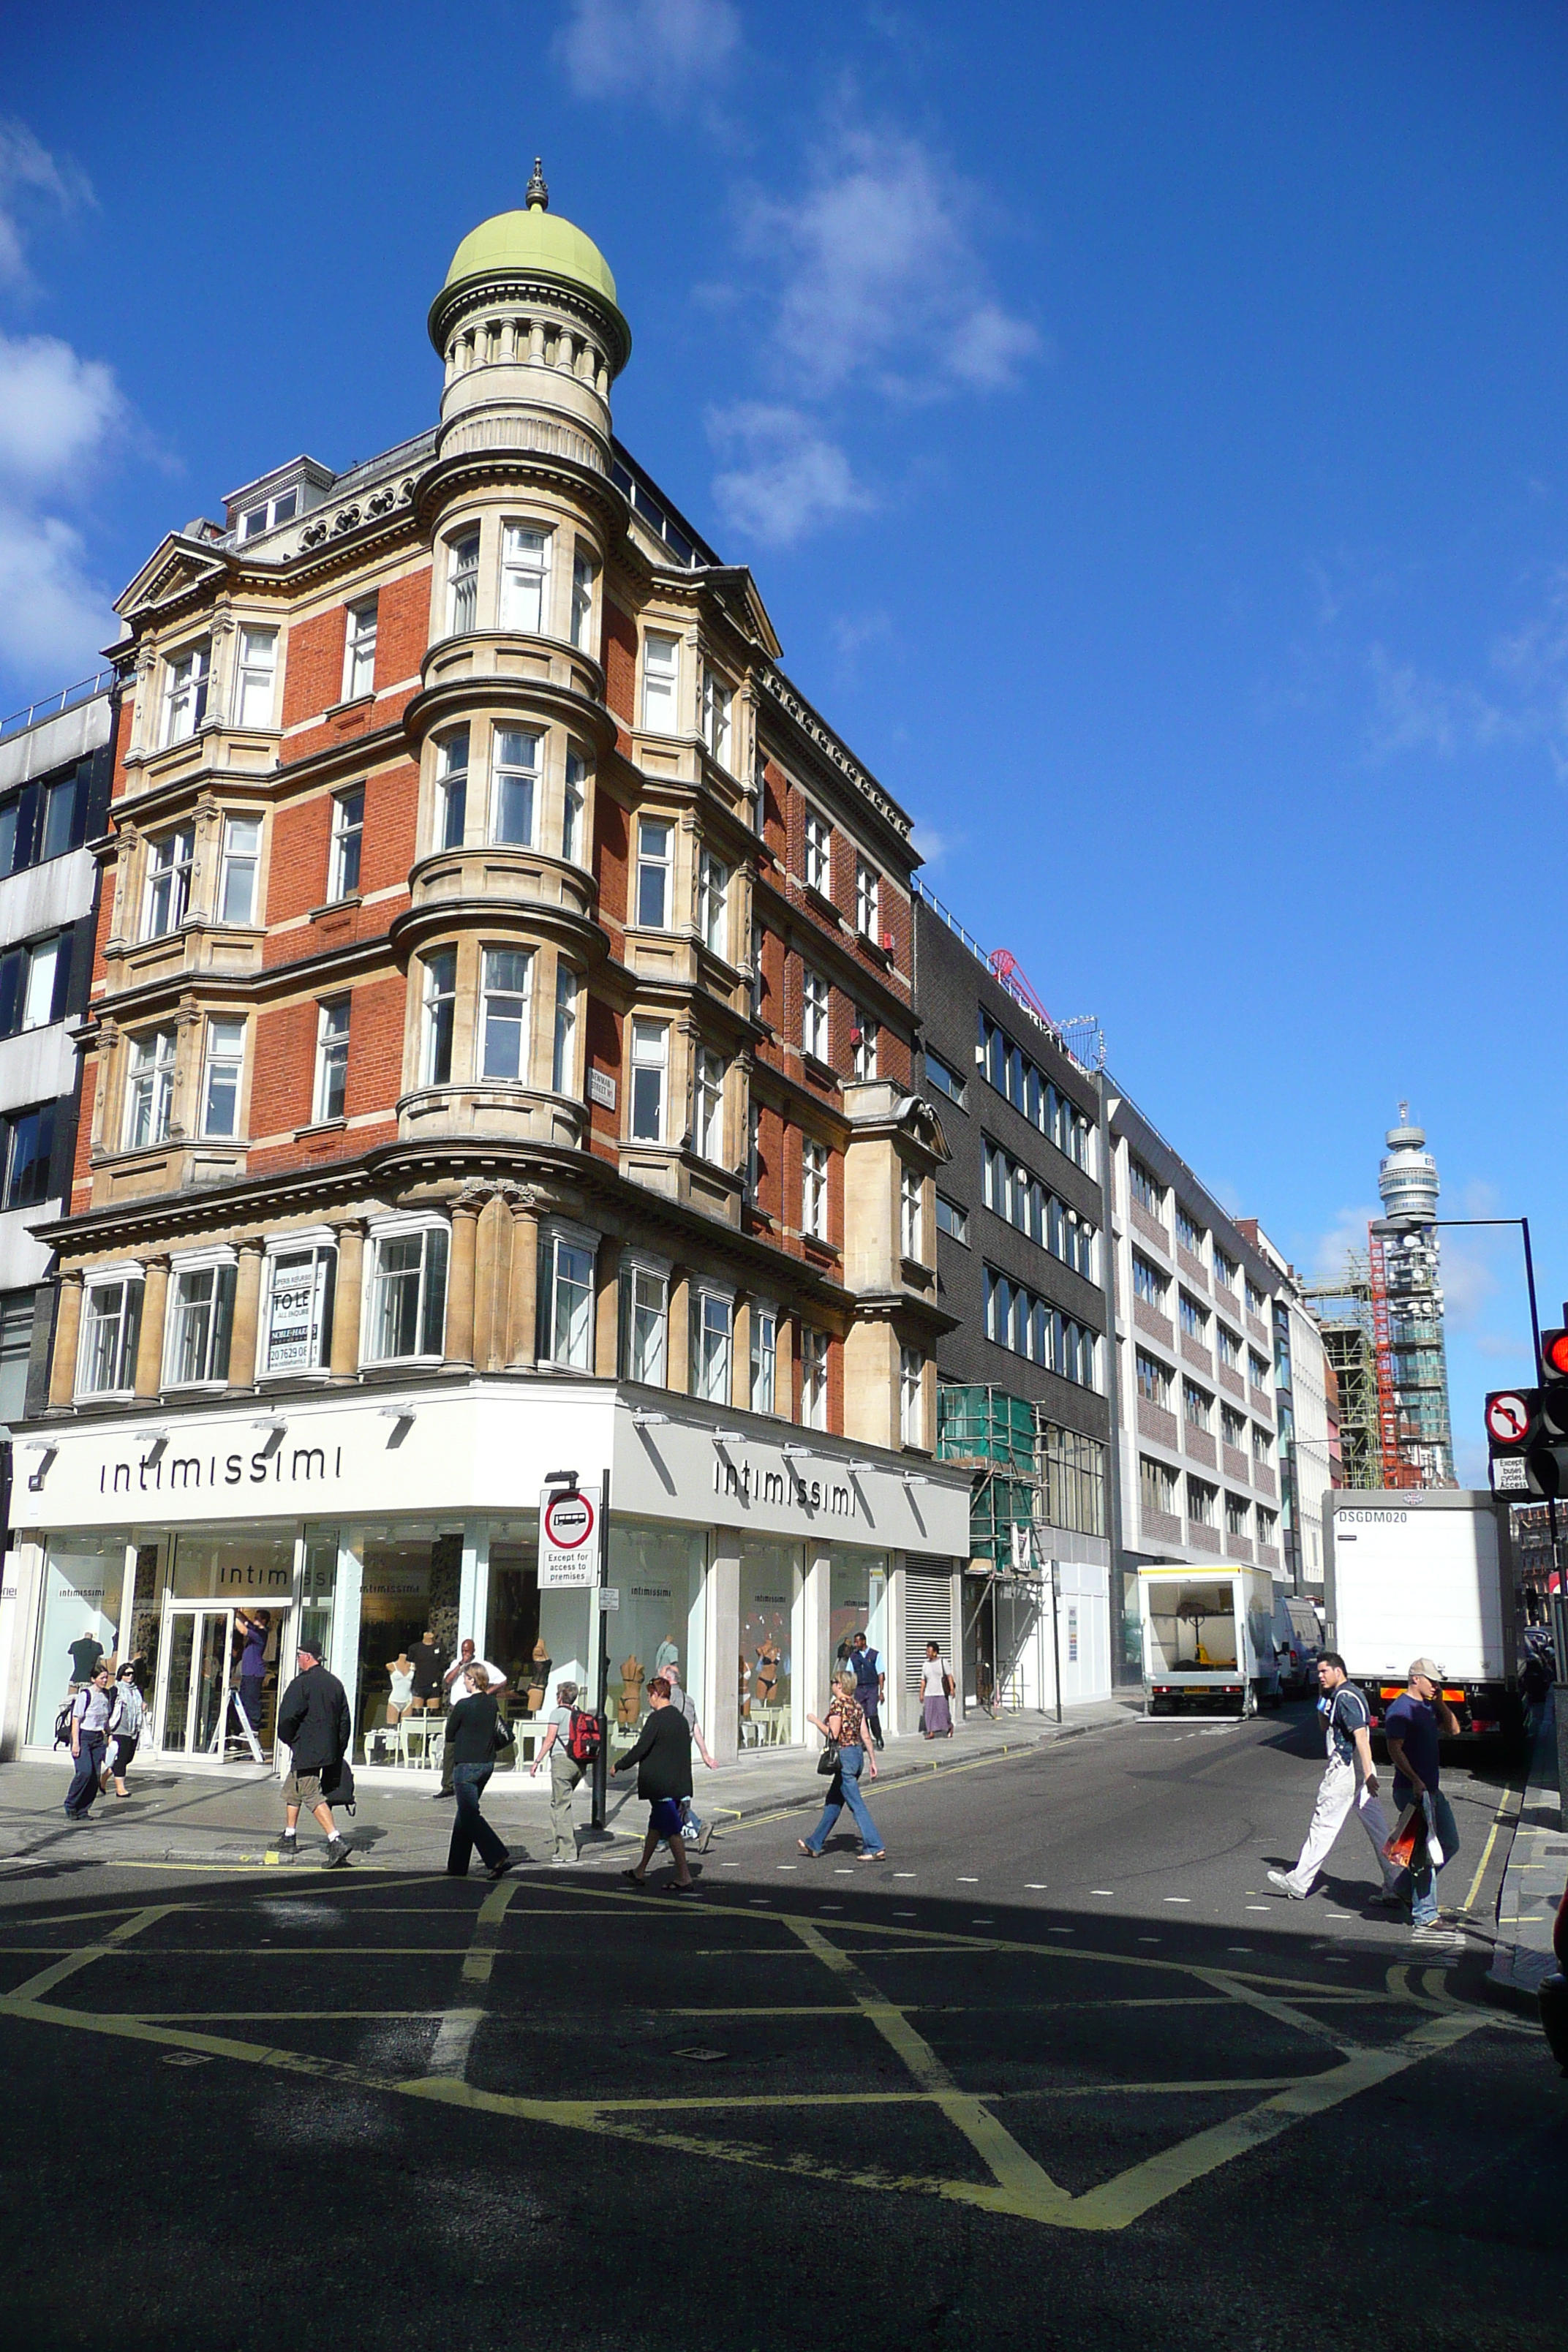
[873,948]
[321,1127]
[335,907]
[357,702]
[814,1247]
[824,904]
[820,1069]
[915,1269]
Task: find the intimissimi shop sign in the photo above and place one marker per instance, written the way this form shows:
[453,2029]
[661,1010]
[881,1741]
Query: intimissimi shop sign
[164,1471]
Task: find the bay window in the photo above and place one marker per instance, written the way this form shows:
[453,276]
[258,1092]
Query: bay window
[524,579]
[911,1396]
[581,601]
[572,808]
[506,992]
[256,678]
[150,1088]
[462,584]
[708,1123]
[912,1220]
[653,874]
[199,1323]
[171,863]
[452,790]
[660,673]
[222,1066]
[405,1296]
[438,1013]
[514,779]
[563,1053]
[712,899]
[650,1070]
[716,701]
[189,678]
[110,1326]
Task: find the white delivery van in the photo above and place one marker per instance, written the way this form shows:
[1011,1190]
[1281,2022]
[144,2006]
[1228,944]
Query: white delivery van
[1208,1639]
[1427,1573]
[1298,1638]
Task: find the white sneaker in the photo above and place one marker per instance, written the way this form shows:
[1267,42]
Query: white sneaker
[1280,1879]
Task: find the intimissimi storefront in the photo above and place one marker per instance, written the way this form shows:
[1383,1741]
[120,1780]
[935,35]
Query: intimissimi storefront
[393,1526]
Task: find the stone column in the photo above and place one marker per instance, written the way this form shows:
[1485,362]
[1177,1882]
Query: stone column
[345,1357]
[492,1270]
[150,1345]
[607,1310]
[460,1283]
[68,1331]
[523,1308]
[741,1357]
[246,1314]
[815,1619]
[721,1699]
[678,1353]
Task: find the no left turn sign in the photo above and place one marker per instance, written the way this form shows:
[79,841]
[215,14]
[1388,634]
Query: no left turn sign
[1507,1417]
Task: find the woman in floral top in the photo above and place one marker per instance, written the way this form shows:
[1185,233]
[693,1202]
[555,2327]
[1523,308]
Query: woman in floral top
[845,1724]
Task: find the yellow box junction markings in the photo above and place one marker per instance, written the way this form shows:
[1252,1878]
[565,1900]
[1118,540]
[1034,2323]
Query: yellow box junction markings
[1019,2186]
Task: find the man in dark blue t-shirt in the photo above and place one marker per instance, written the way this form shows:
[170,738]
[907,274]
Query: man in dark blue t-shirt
[1411,1728]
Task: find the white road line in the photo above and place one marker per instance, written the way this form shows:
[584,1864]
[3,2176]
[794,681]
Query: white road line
[1178,1898]
[1102,1890]
[1148,1939]
[1034,1885]
[906,1874]
[1255,1907]
[969,1881]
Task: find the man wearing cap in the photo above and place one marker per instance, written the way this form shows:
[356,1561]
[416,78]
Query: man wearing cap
[315,1725]
[1351,1778]
[1412,1726]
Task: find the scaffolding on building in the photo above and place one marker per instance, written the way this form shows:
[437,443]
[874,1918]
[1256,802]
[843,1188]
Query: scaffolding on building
[1343,1310]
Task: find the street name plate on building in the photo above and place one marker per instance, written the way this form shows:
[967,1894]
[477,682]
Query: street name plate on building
[568,1538]
[1510,1474]
[602,1088]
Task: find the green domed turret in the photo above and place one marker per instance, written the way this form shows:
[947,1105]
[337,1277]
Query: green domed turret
[532,243]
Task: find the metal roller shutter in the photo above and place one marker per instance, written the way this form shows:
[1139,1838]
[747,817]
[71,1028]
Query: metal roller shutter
[928,1610]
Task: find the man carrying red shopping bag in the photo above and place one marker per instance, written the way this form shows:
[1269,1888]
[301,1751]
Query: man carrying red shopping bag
[1412,1726]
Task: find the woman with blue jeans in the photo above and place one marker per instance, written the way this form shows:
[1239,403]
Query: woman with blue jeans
[845,1726]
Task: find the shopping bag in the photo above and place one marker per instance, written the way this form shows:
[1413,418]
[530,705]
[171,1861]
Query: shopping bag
[1434,1853]
[1403,1848]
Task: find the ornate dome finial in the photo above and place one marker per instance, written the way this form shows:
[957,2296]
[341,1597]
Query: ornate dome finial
[538,193]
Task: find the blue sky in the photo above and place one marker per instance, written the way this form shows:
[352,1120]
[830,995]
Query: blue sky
[1146,425]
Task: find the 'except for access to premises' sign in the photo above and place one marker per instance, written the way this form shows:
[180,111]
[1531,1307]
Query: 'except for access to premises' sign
[569,1538]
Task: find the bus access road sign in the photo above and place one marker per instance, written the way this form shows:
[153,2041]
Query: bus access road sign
[570,1536]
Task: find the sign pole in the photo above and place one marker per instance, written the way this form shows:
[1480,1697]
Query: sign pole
[601,1760]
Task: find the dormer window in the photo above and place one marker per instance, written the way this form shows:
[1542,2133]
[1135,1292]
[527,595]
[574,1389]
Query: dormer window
[268,514]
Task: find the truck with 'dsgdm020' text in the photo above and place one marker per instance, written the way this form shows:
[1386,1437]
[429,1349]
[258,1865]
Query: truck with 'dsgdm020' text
[1208,1640]
[1427,1573]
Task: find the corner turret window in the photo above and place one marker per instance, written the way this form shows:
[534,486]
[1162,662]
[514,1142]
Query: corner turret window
[463,584]
[255,678]
[563,1055]
[516,780]
[572,807]
[185,694]
[441,1006]
[452,791]
[583,601]
[660,672]
[508,989]
[524,580]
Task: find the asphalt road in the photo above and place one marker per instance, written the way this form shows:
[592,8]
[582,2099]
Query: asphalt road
[1061,2071]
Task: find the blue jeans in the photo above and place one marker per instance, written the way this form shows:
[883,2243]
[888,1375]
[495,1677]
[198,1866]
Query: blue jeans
[1421,1884]
[844,1789]
[83,1789]
[470,1829]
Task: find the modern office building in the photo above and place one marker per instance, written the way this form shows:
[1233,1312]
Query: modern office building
[500,1067]
[1305,1418]
[1020,1255]
[1195,1378]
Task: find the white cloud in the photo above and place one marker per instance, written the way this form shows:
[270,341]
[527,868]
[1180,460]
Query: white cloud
[56,411]
[1347,1232]
[931,847]
[787,478]
[658,50]
[880,275]
[53,617]
[27,169]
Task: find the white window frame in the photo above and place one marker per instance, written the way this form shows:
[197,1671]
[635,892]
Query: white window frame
[128,1280]
[359,648]
[187,682]
[563,1044]
[241,862]
[660,683]
[583,571]
[660,862]
[255,678]
[911,1213]
[712,1343]
[509,1003]
[222,1060]
[171,875]
[650,1053]
[198,1322]
[334,1023]
[816,1006]
[347,844]
[452,790]
[516,773]
[813,1188]
[577,1356]
[646,1345]
[436,998]
[525,579]
[315,1288]
[764,1356]
[816,853]
[708,1106]
[463,583]
[718,698]
[864,1050]
[911,1396]
[713,903]
[868,900]
[150,1080]
[813,1377]
[432,1267]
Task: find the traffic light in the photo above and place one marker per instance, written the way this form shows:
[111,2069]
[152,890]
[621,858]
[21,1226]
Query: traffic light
[1554,1383]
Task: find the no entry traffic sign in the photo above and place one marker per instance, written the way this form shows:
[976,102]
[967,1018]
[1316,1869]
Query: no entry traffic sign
[568,1537]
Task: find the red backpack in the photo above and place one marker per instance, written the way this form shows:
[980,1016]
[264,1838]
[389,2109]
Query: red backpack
[583,1737]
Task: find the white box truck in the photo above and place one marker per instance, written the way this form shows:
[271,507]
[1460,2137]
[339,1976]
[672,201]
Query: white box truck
[1208,1639]
[1425,1574]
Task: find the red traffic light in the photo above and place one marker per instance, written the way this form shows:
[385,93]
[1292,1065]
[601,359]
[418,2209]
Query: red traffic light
[1554,1354]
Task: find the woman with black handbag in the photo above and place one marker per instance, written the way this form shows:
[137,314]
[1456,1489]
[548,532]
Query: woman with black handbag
[474,1733]
[847,1753]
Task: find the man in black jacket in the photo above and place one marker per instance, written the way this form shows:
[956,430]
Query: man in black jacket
[315,1725]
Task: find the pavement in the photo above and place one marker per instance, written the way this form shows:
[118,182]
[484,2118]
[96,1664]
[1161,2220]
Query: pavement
[1532,1881]
[235,1818]
[1062,2071]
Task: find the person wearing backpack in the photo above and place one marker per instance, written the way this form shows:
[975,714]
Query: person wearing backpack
[572,1744]
[92,1712]
[125,1722]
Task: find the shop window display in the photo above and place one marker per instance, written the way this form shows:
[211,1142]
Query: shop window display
[857,1590]
[246,1583]
[408,1630]
[83,1583]
[769,1591]
[661,1622]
